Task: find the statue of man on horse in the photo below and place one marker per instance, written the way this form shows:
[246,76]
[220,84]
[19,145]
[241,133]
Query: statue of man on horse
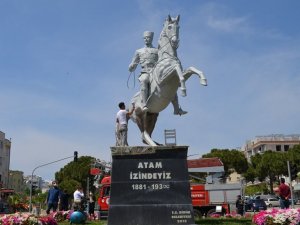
[147,57]
[161,76]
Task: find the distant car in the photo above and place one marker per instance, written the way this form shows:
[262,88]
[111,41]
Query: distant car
[255,205]
[272,202]
[246,198]
[265,197]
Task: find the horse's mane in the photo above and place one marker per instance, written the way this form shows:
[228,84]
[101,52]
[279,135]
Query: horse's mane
[161,37]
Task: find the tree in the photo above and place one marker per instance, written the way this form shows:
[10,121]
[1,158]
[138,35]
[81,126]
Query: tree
[293,155]
[231,159]
[254,189]
[250,174]
[270,165]
[74,174]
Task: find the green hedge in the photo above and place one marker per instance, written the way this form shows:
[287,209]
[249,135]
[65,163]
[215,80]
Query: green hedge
[257,188]
[207,221]
[227,221]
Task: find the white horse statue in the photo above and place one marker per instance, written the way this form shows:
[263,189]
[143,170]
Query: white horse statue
[166,77]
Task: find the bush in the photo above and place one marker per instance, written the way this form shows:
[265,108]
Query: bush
[224,221]
[257,188]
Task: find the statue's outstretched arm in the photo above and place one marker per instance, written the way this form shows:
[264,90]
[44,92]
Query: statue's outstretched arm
[135,61]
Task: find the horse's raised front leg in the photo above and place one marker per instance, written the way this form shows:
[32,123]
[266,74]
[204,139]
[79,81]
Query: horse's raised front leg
[192,70]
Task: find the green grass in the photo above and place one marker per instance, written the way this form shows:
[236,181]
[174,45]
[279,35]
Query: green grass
[96,222]
[208,221]
[227,221]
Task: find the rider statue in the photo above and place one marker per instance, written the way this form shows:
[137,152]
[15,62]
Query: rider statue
[147,57]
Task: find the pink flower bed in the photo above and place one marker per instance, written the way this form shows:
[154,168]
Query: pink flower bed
[31,219]
[26,219]
[277,217]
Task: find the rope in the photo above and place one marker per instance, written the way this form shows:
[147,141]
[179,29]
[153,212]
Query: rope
[133,80]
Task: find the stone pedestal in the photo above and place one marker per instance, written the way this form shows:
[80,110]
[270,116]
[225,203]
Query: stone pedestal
[150,186]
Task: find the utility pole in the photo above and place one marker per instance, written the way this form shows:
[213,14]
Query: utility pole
[291,187]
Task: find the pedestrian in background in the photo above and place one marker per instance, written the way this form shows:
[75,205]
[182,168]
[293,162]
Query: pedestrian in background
[53,198]
[284,194]
[64,200]
[91,202]
[78,199]
[239,205]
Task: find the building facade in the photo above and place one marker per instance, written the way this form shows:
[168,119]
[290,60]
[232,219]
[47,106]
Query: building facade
[16,180]
[274,142]
[234,177]
[37,182]
[5,145]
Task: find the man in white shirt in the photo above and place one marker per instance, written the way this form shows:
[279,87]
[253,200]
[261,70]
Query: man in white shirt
[121,122]
[78,198]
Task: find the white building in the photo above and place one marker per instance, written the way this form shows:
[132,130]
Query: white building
[274,142]
[4,160]
[37,182]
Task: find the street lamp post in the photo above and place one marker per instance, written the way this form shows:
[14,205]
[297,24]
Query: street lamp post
[290,185]
[46,164]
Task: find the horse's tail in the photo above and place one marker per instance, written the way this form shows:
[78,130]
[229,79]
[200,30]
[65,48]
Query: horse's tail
[136,100]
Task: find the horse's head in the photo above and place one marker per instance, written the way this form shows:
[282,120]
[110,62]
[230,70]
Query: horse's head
[170,33]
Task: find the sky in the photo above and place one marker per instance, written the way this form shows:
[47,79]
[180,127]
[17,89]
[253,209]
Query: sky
[64,69]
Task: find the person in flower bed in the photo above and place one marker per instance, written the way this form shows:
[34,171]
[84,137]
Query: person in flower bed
[53,198]
[284,194]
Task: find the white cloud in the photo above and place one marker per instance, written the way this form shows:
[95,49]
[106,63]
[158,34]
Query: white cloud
[227,24]
[32,148]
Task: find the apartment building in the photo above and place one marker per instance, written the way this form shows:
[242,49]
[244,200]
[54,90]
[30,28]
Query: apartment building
[274,142]
[5,145]
[16,180]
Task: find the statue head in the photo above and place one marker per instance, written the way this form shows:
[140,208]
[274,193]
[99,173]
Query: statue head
[148,37]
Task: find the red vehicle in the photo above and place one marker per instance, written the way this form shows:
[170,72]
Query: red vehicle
[103,200]
[206,199]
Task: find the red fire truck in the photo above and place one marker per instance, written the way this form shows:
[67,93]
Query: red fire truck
[208,199]
[103,200]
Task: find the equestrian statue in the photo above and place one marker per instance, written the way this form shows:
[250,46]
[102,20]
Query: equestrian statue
[161,76]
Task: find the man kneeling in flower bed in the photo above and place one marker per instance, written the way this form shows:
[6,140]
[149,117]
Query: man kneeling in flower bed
[277,217]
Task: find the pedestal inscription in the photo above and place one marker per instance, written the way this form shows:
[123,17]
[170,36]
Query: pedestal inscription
[150,186]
